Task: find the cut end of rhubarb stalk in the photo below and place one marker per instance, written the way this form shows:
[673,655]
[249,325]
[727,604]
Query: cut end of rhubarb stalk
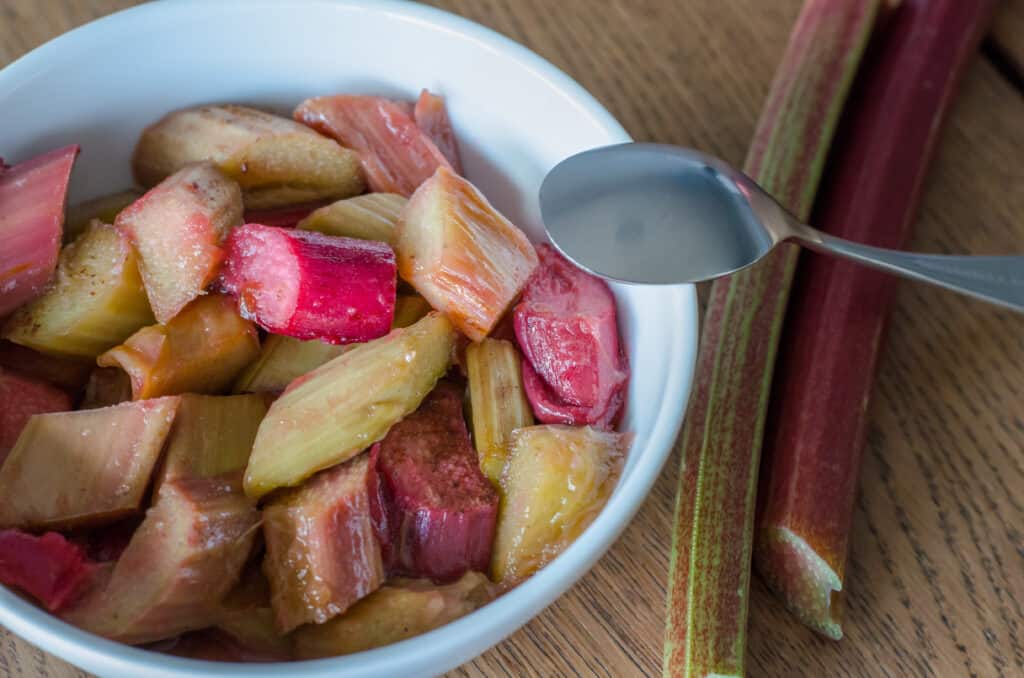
[373,216]
[796,573]
[33,195]
[461,254]
[308,285]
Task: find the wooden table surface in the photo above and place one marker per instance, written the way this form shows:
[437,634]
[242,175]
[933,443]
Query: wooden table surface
[936,583]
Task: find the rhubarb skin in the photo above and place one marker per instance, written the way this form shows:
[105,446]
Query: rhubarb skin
[307,285]
[431,115]
[557,479]
[51,569]
[95,302]
[341,408]
[839,311]
[401,609]
[373,216]
[322,551]
[23,397]
[33,194]
[201,350]
[276,161]
[103,477]
[566,324]
[177,229]
[180,564]
[712,537]
[103,209]
[212,436]
[436,510]
[397,156]
[461,254]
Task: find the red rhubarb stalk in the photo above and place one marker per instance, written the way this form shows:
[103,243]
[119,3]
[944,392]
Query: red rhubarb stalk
[839,310]
[713,528]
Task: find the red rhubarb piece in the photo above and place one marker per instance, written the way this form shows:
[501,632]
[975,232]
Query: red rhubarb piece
[397,155]
[22,397]
[308,285]
[33,195]
[435,510]
[50,568]
[431,116]
[574,370]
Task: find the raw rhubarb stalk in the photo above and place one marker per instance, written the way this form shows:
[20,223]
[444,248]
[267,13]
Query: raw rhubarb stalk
[309,285]
[51,569]
[86,468]
[709,573]
[400,609]
[574,370]
[276,161]
[96,301]
[368,217]
[497,402]
[397,156]
[201,350]
[103,209]
[461,254]
[435,511]
[177,229]
[556,481]
[23,397]
[836,323]
[322,551]
[33,195]
[431,115]
[341,408]
[181,562]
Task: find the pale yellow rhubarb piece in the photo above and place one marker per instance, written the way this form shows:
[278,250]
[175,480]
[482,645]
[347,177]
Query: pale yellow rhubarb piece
[368,217]
[283,359]
[344,406]
[96,301]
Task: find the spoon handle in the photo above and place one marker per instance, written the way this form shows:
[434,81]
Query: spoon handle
[999,280]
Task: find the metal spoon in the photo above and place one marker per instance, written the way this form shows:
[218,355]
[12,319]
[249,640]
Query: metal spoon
[648,213]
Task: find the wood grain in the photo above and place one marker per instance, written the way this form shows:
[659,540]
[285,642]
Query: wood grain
[937,571]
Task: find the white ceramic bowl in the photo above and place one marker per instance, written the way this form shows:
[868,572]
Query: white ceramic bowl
[516,116]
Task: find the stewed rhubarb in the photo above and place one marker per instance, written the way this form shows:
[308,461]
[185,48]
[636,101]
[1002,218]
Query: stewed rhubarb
[431,114]
[436,510]
[23,397]
[574,370]
[308,285]
[51,569]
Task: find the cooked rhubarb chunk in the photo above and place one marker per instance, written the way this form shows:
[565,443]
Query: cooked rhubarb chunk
[212,436]
[96,301]
[181,562]
[21,397]
[282,360]
[106,386]
[103,209]
[465,258]
[437,510]
[282,217]
[431,115]
[400,609]
[69,374]
[308,285]
[497,401]
[397,156]
[322,552]
[32,197]
[367,217]
[567,328]
[91,467]
[409,309]
[247,619]
[51,569]
[177,229]
[201,350]
[556,482]
[275,160]
[344,406]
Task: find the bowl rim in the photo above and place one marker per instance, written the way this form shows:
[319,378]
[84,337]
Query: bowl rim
[446,644]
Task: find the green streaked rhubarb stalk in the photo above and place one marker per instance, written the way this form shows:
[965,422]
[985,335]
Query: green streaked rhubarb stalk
[818,415]
[713,528]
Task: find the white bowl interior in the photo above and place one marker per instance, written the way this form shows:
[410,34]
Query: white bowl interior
[516,116]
